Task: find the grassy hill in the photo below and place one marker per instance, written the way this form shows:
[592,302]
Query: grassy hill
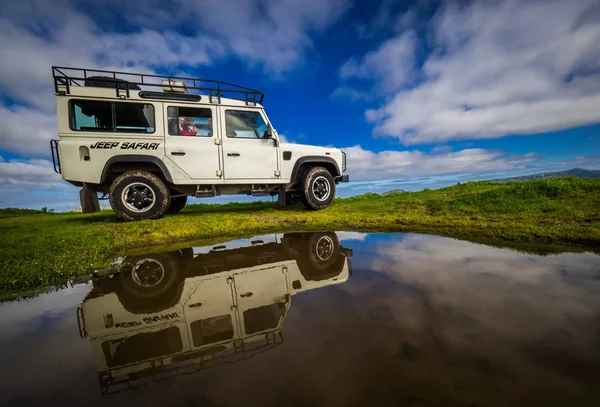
[43,249]
[573,172]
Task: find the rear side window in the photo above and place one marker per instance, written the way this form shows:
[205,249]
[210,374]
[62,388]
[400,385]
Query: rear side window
[122,117]
[142,346]
[212,330]
[190,121]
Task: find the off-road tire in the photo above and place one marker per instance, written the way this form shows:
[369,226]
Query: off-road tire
[307,193]
[177,204]
[160,193]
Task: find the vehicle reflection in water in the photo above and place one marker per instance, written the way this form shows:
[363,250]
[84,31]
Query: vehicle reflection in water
[174,313]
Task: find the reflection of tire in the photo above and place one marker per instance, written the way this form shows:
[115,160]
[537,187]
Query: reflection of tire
[177,204]
[137,195]
[323,249]
[318,188]
[318,255]
[150,284]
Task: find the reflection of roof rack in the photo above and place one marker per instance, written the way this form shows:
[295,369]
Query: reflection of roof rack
[123,82]
[188,364]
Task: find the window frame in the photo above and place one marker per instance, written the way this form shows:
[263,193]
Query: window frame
[113,117]
[260,113]
[212,119]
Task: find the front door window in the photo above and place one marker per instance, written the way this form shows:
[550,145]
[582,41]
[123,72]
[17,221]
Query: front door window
[244,124]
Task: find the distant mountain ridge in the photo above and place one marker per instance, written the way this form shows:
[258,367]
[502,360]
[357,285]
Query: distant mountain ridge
[573,172]
[392,191]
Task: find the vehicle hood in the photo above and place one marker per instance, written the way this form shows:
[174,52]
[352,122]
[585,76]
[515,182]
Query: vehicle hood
[306,149]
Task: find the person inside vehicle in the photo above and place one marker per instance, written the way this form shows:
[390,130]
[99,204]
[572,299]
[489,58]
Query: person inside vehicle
[187,127]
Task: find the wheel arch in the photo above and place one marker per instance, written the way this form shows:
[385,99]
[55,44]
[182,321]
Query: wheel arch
[304,163]
[132,162]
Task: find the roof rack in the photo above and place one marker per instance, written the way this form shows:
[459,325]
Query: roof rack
[123,82]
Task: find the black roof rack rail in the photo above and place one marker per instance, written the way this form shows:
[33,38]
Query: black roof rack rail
[124,82]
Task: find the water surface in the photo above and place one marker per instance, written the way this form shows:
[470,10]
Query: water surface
[315,319]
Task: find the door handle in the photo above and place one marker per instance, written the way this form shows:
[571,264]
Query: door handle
[177,153]
[246,295]
[233,154]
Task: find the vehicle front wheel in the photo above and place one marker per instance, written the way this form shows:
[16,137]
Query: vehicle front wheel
[138,195]
[177,204]
[318,188]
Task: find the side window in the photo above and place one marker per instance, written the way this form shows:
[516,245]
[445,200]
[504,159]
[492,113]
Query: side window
[212,330]
[263,318]
[190,121]
[134,118]
[244,124]
[92,115]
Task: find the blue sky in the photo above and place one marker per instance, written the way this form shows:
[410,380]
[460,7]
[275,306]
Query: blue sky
[418,93]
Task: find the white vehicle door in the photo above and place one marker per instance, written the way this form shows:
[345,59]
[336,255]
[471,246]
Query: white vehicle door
[192,140]
[210,313]
[247,154]
[262,296]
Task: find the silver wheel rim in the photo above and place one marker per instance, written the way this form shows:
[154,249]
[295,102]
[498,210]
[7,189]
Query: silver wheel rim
[321,188]
[147,273]
[138,197]
[325,248]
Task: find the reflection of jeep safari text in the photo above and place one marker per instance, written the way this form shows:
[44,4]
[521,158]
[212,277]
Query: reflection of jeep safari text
[147,142]
[172,313]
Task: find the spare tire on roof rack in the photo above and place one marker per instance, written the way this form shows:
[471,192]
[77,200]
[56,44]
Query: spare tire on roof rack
[109,82]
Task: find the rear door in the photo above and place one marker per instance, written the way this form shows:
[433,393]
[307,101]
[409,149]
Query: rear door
[192,140]
[262,296]
[210,313]
[247,154]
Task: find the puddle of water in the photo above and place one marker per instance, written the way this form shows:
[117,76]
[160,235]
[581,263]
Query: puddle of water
[341,319]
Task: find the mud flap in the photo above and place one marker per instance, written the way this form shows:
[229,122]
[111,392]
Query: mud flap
[89,200]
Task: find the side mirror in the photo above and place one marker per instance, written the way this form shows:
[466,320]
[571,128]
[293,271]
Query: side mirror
[269,134]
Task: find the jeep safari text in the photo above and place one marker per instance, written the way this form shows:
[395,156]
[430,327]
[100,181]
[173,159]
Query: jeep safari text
[150,141]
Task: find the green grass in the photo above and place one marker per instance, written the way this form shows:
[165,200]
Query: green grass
[43,249]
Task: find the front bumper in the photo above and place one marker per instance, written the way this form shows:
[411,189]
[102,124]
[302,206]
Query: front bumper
[342,178]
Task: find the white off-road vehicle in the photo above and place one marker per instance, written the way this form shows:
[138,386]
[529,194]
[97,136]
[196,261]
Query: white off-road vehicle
[147,142]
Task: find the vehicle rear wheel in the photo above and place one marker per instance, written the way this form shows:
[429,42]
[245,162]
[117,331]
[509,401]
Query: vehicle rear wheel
[318,188]
[177,204]
[138,195]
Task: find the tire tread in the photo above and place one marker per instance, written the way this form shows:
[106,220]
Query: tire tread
[153,179]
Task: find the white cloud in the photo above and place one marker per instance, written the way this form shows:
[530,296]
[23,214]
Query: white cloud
[29,131]
[368,165]
[21,175]
[393,60]
[273,33]
[504,296]
[497,68]
[351,236]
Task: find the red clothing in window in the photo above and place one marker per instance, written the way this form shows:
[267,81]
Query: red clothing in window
[185,130]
